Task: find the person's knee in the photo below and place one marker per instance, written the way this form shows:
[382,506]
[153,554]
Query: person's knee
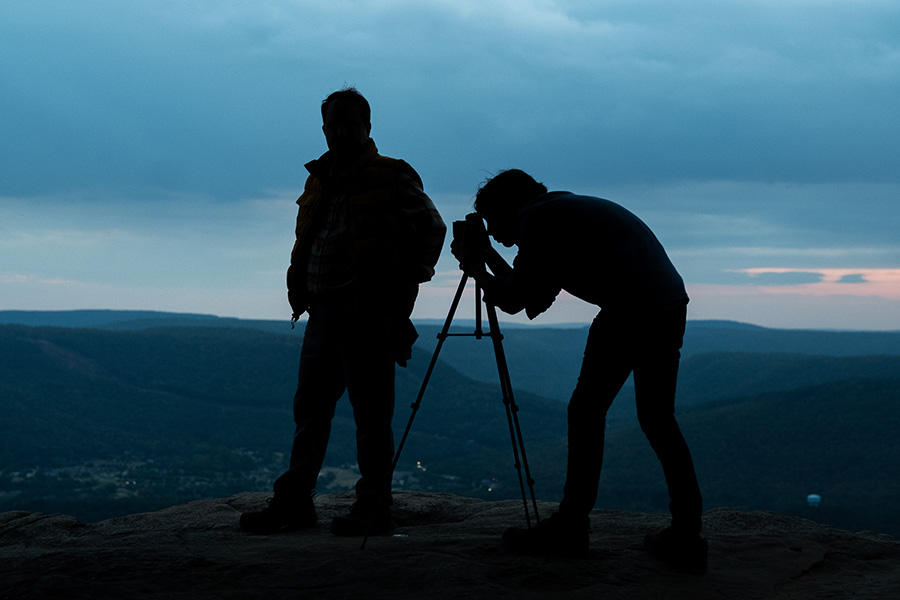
[657,426]
[586,415]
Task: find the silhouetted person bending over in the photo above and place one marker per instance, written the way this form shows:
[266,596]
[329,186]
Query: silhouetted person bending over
[367,235]
[601,253]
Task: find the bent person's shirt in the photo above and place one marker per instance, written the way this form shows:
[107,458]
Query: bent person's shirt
[592,248]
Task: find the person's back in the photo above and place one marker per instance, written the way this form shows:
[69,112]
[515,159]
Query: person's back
[596,250]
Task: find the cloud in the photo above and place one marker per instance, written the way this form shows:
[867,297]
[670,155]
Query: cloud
[769,278]
[175,241]
[32,280]
[747,134]
[827,282]
[792,310]
[221,97]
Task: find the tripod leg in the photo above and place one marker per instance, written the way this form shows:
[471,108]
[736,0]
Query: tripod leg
[434,357]
[512,414]
[418,402]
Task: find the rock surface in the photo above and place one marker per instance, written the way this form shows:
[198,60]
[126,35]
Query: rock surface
[445,546]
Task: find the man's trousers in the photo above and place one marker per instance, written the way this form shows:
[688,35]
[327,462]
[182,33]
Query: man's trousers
[344,349]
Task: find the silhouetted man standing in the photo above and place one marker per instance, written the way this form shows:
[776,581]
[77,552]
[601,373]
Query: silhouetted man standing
[366,236]
[601,253]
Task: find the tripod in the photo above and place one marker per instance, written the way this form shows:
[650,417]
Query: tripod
[512,418]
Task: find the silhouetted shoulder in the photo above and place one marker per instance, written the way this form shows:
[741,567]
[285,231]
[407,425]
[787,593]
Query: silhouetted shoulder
[399,166]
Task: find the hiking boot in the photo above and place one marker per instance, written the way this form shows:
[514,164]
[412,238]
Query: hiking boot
[556,536]
[363,519]
[280,515]
[685,551]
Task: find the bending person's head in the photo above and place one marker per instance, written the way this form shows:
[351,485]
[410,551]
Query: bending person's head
[501,197]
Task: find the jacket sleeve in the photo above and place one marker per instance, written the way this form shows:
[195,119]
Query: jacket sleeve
[428,228]
[296,273]
[519,291]
[532,283]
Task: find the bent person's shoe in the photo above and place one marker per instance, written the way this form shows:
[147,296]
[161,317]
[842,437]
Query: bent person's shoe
[363,519]
[555,536]
[280,515]
[685,552]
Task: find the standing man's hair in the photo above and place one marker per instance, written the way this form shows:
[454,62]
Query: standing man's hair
[352,96]
[507,191]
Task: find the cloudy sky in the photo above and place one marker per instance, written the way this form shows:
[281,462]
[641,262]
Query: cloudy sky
[152,151]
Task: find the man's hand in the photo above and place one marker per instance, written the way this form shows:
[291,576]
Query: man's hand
[497,264]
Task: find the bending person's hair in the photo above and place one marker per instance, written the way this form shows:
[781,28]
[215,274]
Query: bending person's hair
[507,192]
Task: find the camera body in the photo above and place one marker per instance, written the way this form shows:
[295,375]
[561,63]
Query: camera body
[470,240]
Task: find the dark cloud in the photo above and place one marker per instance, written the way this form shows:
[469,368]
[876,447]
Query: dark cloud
[740,278]
[855,278]
[633,93]
[790,278]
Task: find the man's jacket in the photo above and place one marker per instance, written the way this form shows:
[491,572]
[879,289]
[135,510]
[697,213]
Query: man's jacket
[395,236]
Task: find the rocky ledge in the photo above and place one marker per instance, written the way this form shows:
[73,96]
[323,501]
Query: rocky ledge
[445,546]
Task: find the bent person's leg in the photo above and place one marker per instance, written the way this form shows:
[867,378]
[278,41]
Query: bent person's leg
[655,375]
[655,378]
[604,370]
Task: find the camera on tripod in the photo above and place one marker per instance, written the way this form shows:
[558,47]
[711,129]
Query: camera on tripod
[470,241]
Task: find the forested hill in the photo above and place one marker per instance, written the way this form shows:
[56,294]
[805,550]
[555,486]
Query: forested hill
[99,422]
[542,360]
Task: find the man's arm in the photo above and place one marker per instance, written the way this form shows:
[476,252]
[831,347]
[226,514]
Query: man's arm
[512,288]
[429,228]
[501,284]
[497,264]
[517,291]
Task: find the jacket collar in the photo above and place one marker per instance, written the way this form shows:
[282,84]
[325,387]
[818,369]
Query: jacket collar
[321,166]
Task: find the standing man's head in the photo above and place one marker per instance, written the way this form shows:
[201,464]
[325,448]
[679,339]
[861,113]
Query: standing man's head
[499,199]
[346,123]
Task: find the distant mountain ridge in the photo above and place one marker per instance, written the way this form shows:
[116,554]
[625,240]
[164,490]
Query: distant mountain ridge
[544,360]
[139,319]
[105,421]
[132,320]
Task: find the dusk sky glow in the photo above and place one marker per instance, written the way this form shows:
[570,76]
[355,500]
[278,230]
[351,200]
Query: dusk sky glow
[152,151]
